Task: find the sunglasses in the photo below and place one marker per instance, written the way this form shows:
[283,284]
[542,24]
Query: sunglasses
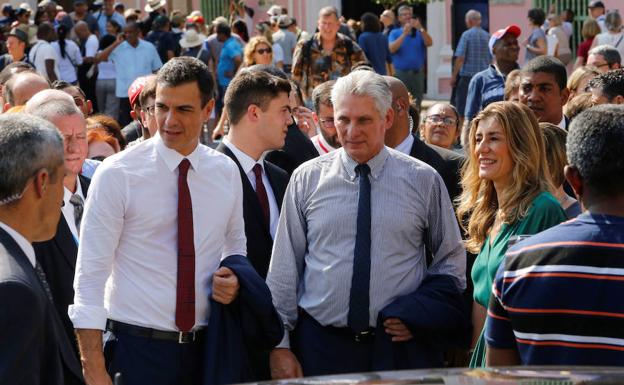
[262,51]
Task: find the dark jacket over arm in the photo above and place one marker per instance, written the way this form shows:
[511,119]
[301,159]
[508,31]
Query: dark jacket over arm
[438,319]
[238,330]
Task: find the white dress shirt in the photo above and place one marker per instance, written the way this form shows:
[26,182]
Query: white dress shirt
[247,163]
[321,145]
[68,208]
[127,258]
[562,123]
[406,145]
[21,242]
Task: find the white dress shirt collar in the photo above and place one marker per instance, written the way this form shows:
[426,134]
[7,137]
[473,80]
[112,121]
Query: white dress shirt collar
[376,163]
[562,123]
[21,242]
[406,145]
[68,208]
[247,163]
[172,158]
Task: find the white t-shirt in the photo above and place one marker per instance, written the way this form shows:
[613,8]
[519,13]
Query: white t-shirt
[613,39]
[67,65]
[38,55]
[91,46]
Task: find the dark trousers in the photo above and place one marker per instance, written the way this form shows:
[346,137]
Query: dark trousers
[327,350]
[142,360]
[124,112]
[461,93]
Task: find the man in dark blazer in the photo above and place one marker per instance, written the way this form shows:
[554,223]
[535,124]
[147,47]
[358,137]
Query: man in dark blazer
[257,106]
[58,255]
[400,137]
[34,348]
[297,148]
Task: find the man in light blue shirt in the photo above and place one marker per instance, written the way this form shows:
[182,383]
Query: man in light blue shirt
[106,14]
[133,57]
[230,59]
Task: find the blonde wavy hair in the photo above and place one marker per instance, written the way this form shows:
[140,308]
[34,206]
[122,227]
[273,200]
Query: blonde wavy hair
[250,48]
[478,203]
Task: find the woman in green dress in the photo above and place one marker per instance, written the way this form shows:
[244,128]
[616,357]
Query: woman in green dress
[506,193]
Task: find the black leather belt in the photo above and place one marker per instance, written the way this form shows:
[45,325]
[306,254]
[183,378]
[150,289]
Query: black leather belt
[365,336]
[139,331]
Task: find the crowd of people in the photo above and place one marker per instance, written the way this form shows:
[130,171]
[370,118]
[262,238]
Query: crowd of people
[333,227]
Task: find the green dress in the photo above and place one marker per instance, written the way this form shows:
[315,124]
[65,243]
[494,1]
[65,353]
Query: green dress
[545,212]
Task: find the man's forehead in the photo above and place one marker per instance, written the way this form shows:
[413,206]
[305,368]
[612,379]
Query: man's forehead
[538,78]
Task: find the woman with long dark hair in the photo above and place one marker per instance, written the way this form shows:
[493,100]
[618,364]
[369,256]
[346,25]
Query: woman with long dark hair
[68,53]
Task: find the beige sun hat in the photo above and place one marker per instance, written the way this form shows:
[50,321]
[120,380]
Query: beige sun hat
[192,39]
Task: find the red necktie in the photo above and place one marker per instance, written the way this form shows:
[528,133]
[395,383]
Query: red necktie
[262,194]
[185,293]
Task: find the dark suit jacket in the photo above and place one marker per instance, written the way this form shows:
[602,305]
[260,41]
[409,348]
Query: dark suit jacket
[438,319]
[259,241]
[240,333]
[447,163]
[34,348]
[58,260]
[298,148]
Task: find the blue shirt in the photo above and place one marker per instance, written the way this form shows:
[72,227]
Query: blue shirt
[536,34]
[411,54]
[375,46]
[131,63]
[487,86]
[557,296]
[102,19]
[473,47]
[231,49]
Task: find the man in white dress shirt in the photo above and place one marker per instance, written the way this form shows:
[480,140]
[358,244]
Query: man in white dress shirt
[159,219]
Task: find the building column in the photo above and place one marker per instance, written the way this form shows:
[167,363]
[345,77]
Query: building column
[440,54]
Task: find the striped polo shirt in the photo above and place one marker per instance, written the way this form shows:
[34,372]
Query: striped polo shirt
[558,296]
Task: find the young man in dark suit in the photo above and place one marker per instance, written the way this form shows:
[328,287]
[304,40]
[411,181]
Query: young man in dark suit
[34,348]
[58,255]
[400,137]
[258,108]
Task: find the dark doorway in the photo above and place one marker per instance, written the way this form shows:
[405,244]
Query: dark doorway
[458,13]
[354,9]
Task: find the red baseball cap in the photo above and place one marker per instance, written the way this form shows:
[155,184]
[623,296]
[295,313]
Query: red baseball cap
[135,89]
[496,36]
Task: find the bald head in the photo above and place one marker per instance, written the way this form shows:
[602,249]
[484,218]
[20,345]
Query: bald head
[23,86]
[400,104]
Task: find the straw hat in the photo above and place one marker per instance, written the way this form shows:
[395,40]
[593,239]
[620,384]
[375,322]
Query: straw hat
[192,39]
[153,5]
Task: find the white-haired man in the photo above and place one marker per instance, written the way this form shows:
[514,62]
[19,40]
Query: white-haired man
[349,266]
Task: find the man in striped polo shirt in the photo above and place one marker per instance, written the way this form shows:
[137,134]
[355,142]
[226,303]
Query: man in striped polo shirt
[557,297]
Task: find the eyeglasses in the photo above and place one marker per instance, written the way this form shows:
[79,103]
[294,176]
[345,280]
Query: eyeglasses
[79,102]
[262,51]
[441,119]
[328,122]
[150,110]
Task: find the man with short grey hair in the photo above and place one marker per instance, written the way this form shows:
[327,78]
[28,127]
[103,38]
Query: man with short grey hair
[604,58]
[58,256]
[348,274]
[472,56]
[34,345]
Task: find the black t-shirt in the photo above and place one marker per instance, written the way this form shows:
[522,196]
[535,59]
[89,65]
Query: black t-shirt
[164,41]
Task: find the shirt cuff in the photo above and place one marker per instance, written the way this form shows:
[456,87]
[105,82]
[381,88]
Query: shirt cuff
[285,343]
[88,317]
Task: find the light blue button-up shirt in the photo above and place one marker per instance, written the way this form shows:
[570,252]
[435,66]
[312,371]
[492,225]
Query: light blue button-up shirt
[133,62]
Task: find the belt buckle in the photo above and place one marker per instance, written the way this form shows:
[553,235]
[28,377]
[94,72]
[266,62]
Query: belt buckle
[362,336]
[183,337]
